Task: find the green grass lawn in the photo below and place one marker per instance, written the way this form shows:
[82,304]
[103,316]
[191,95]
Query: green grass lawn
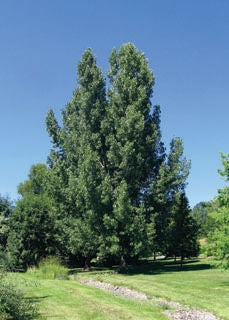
[66,299]
[196,285]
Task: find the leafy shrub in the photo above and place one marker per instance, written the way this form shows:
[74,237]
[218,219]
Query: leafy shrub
[31,231]
[6,261]
[3,260]
[13,304]
[49,268]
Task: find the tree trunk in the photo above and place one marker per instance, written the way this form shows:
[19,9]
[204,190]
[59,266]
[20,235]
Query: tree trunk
[181,262]
[154,256]
[87,264]
[122,266]
[175,259]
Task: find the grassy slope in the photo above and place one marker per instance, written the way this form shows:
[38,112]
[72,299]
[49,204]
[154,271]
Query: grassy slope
[197,285]
[64,299]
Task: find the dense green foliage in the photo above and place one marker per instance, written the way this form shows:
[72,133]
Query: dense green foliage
[164,190]
[218,237]
[5,211]
[13,304]
[36,182]
[183,230]
[111,182]
[201,213]
[31,225]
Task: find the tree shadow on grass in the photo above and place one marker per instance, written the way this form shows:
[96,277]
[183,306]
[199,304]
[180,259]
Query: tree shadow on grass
[54,316]
[101,270]
[36,299]
[225,283]
[159,267]
[149,267]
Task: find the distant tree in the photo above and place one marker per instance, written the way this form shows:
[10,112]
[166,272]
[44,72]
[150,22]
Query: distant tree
[182,231]
[201,213]
[218,238]
[6,209]
[32,231]
[36,182]
[161,198]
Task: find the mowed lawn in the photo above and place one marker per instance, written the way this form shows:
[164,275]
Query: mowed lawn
[196,285]
[66,299]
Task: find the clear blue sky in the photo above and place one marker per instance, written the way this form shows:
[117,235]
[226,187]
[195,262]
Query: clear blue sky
[186,42]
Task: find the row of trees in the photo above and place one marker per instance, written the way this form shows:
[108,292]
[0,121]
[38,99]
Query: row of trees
[218,235]
[213,220]
[110,190]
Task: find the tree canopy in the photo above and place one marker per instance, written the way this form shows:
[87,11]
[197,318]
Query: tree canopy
[218,237]
[6,209]
[32,233]
[110,179]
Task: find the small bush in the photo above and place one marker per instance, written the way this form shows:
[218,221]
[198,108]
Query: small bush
[13,304]
[49,268]
[4,261]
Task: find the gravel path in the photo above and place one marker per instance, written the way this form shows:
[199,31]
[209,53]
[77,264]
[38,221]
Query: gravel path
[179,312]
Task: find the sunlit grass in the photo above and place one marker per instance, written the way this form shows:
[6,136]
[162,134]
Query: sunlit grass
[64,299]
[49,268]
[197,284]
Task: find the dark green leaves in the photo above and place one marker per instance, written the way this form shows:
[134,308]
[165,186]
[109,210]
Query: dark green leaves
[109,178]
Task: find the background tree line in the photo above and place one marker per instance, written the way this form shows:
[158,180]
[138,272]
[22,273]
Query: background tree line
[110,190]
[212,218]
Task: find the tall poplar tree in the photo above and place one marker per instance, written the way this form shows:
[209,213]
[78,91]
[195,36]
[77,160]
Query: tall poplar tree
[134,149]
[107,161]
[78,163]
